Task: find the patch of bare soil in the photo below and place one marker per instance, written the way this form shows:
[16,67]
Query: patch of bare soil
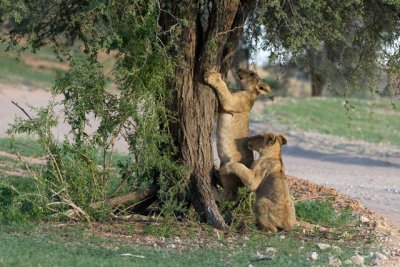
[13,173]
[8,168]
[37,63]
[185,235]
[308,190]
[371,223]
[22,158]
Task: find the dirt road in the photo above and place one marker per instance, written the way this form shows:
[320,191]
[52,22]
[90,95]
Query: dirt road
[364,171]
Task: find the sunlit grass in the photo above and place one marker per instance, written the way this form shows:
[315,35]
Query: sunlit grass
[373,121]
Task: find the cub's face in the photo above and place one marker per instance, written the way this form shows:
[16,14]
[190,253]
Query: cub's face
[265,141]
[251,81]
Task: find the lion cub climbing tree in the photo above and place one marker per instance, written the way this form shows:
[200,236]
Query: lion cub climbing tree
[233,122]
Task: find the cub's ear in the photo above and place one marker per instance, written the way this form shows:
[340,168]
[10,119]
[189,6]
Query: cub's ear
[282,139]
[269,139]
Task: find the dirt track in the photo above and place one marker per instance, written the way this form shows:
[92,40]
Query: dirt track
[364,171]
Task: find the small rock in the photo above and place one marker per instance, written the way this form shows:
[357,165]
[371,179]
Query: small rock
[270,250]
[334,261]
[171,246]
[218,235]
[313,256]
[348,262]
[323,246]
[282,237]
[396,252]
[132,255]
[378,258]
[177,239]
[386,251]
[261,257]
[357,260]
[364,219]
[250,265]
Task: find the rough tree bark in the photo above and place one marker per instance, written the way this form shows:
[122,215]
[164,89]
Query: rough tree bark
[317,72]
[317,83]
[207,42]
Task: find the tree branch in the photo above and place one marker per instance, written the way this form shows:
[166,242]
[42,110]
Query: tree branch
[23,110]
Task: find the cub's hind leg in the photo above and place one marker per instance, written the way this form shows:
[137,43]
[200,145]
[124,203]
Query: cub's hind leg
[265,214]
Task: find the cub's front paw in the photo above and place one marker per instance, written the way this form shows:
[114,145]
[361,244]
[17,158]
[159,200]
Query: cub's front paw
[212,77]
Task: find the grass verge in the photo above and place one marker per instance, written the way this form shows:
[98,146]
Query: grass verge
[48,245]
[21,71]
[375,121]
[25,146]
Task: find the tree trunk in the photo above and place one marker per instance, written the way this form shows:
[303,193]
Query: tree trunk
[317,61]
[317,83]
[203,45]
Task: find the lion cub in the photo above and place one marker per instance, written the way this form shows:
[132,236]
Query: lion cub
[274,206]
[233,122]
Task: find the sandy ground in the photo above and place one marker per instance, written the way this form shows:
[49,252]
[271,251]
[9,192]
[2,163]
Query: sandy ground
[364,171]
[22,95]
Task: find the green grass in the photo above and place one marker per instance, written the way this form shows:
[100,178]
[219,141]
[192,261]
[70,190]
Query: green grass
[17,193]
[72,246]
[17,72]
[322,213]
[373,122]
[23,244]
[25,146]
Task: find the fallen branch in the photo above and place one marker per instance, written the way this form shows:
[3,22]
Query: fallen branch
[141,205]
[130,199]
[75,210]
[127,199]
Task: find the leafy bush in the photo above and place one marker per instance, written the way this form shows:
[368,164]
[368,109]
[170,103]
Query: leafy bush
[19,207]
[129,102]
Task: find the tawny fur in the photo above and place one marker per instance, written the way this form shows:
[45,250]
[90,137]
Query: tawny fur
[274,207]
[233,122]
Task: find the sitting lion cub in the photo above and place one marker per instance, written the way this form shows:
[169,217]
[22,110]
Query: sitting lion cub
[233,122]
[274,206]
